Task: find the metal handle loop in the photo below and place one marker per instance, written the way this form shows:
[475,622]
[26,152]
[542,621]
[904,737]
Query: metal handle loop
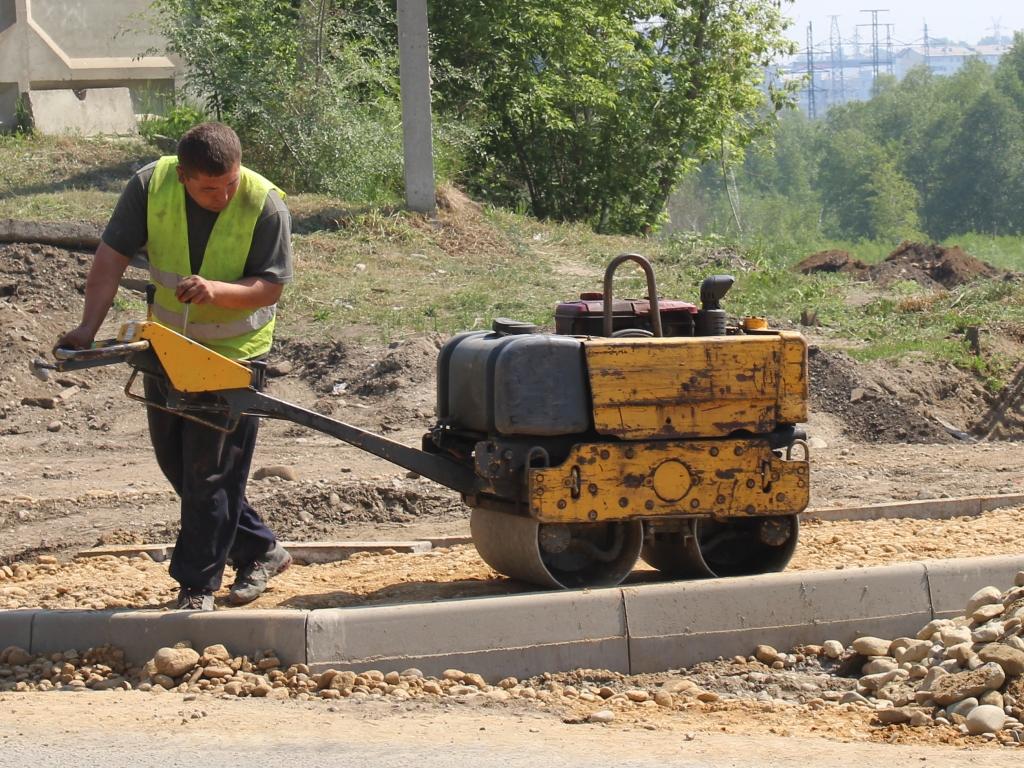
[652,291]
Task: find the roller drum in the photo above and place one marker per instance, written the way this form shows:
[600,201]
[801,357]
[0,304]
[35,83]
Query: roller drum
[708,548]
[560,556]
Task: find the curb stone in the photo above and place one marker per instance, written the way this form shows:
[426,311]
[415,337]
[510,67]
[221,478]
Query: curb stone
[631,629]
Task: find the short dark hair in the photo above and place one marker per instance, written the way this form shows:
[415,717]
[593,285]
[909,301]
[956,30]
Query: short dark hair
[212,149]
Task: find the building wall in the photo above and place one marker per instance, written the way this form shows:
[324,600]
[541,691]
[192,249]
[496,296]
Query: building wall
[47,44]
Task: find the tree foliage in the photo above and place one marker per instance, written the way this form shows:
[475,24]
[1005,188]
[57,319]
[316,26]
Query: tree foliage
[592,110]
[942,155]
[309,89]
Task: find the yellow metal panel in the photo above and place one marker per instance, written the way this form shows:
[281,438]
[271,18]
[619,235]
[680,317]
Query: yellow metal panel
[617,481]
[794,392]
[190,367]
[696,387]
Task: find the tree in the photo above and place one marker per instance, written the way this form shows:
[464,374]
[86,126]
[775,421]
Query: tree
[310,91]
[980,189]
[592,110]
[892,203]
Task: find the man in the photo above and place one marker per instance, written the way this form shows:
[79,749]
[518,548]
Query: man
[218,242]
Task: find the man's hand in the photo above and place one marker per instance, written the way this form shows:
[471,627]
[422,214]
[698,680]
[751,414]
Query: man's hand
[196,290]
[247,293]
[80,338]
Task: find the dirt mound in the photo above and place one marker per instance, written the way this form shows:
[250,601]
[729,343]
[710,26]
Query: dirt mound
[931,265]
[868,411]
[1004,418]
[318,510]
[41,291]
[359,381]
[406,363]
[832,261]
[461,227]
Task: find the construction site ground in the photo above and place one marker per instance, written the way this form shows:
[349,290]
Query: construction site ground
[76,470]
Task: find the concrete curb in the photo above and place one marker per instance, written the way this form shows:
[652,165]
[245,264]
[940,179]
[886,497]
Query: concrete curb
[517,635]
[331,551]
[631,629]
[933,509]
[682,623]
[952,582]
[303,552]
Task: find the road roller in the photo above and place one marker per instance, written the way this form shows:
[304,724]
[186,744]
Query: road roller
[648,429]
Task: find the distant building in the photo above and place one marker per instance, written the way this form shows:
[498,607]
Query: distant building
[945,60]
[853,79]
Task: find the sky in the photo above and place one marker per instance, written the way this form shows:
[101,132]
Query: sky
[955,19]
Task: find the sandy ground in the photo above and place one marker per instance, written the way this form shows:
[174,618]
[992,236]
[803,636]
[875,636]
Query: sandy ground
[371,579]
[82,473]
[124,728]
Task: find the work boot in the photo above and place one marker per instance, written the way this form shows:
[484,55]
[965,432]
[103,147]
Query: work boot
[252,579]
[195,599]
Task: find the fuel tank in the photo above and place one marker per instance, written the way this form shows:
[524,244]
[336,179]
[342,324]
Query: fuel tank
[513,384]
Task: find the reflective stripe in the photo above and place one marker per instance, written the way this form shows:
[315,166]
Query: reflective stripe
[211,331]
[168,280]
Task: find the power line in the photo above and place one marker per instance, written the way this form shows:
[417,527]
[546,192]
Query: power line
[835,50]
[812,109]
[876,43]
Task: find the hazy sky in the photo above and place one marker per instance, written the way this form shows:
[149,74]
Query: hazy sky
[954,19]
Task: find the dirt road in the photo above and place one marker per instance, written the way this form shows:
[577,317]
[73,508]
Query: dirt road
[143,730]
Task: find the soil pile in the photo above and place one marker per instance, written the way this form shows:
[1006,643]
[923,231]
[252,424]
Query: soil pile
[832,261]
[41,290]
[930,265]
[868,411]
[461,227]
[933,266]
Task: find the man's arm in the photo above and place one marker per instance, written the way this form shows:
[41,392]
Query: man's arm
[100,288]
[247,293]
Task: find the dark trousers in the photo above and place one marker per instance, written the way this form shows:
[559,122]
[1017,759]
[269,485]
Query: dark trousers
[209,470]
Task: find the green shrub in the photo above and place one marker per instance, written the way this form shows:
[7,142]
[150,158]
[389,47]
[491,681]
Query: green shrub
[160,130]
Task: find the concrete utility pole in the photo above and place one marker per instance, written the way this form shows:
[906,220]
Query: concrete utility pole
[414,79]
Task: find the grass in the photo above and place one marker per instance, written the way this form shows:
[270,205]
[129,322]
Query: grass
[378,273]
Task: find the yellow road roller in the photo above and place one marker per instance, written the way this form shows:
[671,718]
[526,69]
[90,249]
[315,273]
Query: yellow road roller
[643,428]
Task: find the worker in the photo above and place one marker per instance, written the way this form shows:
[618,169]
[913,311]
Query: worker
[218,243]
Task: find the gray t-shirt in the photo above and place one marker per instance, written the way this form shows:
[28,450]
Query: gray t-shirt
[270,255]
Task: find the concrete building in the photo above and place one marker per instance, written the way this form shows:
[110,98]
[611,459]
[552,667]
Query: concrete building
[79,44]
[943,60]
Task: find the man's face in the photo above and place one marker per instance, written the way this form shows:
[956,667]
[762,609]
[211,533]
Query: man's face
[211,192]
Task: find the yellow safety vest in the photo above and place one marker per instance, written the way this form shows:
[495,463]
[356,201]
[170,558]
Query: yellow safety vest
[236,333]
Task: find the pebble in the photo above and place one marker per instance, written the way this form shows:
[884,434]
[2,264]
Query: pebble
[1009,659]
[879,664]
[281,471]
[766,654]
[601,716]
[983,596]
[871,646]
[832,649]
[985,719]
[962,685]
[988,633]
[174,662]
[964,707]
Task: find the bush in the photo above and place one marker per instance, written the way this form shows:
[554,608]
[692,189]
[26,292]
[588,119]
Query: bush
[164,131]
[311,93]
